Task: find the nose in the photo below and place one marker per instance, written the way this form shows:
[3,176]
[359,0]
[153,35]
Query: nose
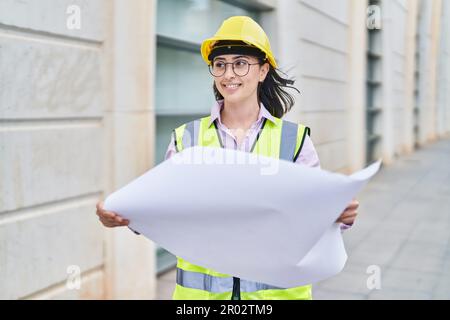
[229,73]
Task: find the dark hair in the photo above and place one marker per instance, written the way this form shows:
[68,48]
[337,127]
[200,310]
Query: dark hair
[271,91]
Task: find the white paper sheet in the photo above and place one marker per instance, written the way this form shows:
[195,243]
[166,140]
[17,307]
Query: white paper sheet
[253,217]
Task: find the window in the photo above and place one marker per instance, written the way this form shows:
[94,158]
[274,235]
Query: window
[416,109]
[374,93]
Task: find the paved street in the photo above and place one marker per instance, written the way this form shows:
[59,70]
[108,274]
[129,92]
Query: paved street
[403,230]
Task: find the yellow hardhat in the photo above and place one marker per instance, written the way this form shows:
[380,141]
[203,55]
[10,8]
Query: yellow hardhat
[240,28]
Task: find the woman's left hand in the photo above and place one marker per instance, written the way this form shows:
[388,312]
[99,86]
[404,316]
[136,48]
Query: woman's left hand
[348,216]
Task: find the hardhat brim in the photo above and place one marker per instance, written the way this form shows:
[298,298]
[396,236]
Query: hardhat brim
[208,44]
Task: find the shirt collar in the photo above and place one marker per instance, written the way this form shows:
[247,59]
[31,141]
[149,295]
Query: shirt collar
[218,105]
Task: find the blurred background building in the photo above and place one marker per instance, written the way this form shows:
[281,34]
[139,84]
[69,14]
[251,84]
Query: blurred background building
[91,89]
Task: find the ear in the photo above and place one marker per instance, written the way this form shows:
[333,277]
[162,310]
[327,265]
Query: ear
[263,72]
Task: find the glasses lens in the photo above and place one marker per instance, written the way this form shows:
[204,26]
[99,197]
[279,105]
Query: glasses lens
[241,67]
[218,68]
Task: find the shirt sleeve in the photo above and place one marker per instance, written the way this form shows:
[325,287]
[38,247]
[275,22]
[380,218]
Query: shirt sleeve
[308,156]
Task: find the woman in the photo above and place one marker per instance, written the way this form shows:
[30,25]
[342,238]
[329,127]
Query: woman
[250,102]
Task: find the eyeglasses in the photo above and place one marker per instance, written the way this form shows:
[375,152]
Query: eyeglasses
[240,68]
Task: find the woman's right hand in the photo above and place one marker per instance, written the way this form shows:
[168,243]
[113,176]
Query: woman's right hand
[110,219]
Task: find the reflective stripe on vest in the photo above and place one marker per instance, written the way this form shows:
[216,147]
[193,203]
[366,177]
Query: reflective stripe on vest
[201,281]
[288,140]
[190,136]
[278,139]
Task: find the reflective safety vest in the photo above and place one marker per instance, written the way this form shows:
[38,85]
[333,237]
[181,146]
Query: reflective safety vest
[283,140]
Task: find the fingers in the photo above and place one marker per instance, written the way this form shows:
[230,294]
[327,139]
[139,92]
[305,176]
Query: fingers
[348,216]
[107,214]
[104,213]
[349,221]
[109,218]
[114,222]
[111,224]
[352,205]
[349,213]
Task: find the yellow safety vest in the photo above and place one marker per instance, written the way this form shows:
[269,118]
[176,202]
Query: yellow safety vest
[281,139]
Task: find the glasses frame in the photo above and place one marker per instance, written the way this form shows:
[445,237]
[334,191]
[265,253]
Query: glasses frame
[232,68]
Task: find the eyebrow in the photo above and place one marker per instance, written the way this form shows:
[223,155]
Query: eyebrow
[233,58]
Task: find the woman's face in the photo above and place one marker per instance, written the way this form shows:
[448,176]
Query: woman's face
[237,87]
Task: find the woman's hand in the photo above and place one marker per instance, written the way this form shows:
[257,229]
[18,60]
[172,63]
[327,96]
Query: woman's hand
[110,219]
[349,215]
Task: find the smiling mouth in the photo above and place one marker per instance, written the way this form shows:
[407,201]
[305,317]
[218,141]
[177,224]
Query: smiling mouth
[231,86]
